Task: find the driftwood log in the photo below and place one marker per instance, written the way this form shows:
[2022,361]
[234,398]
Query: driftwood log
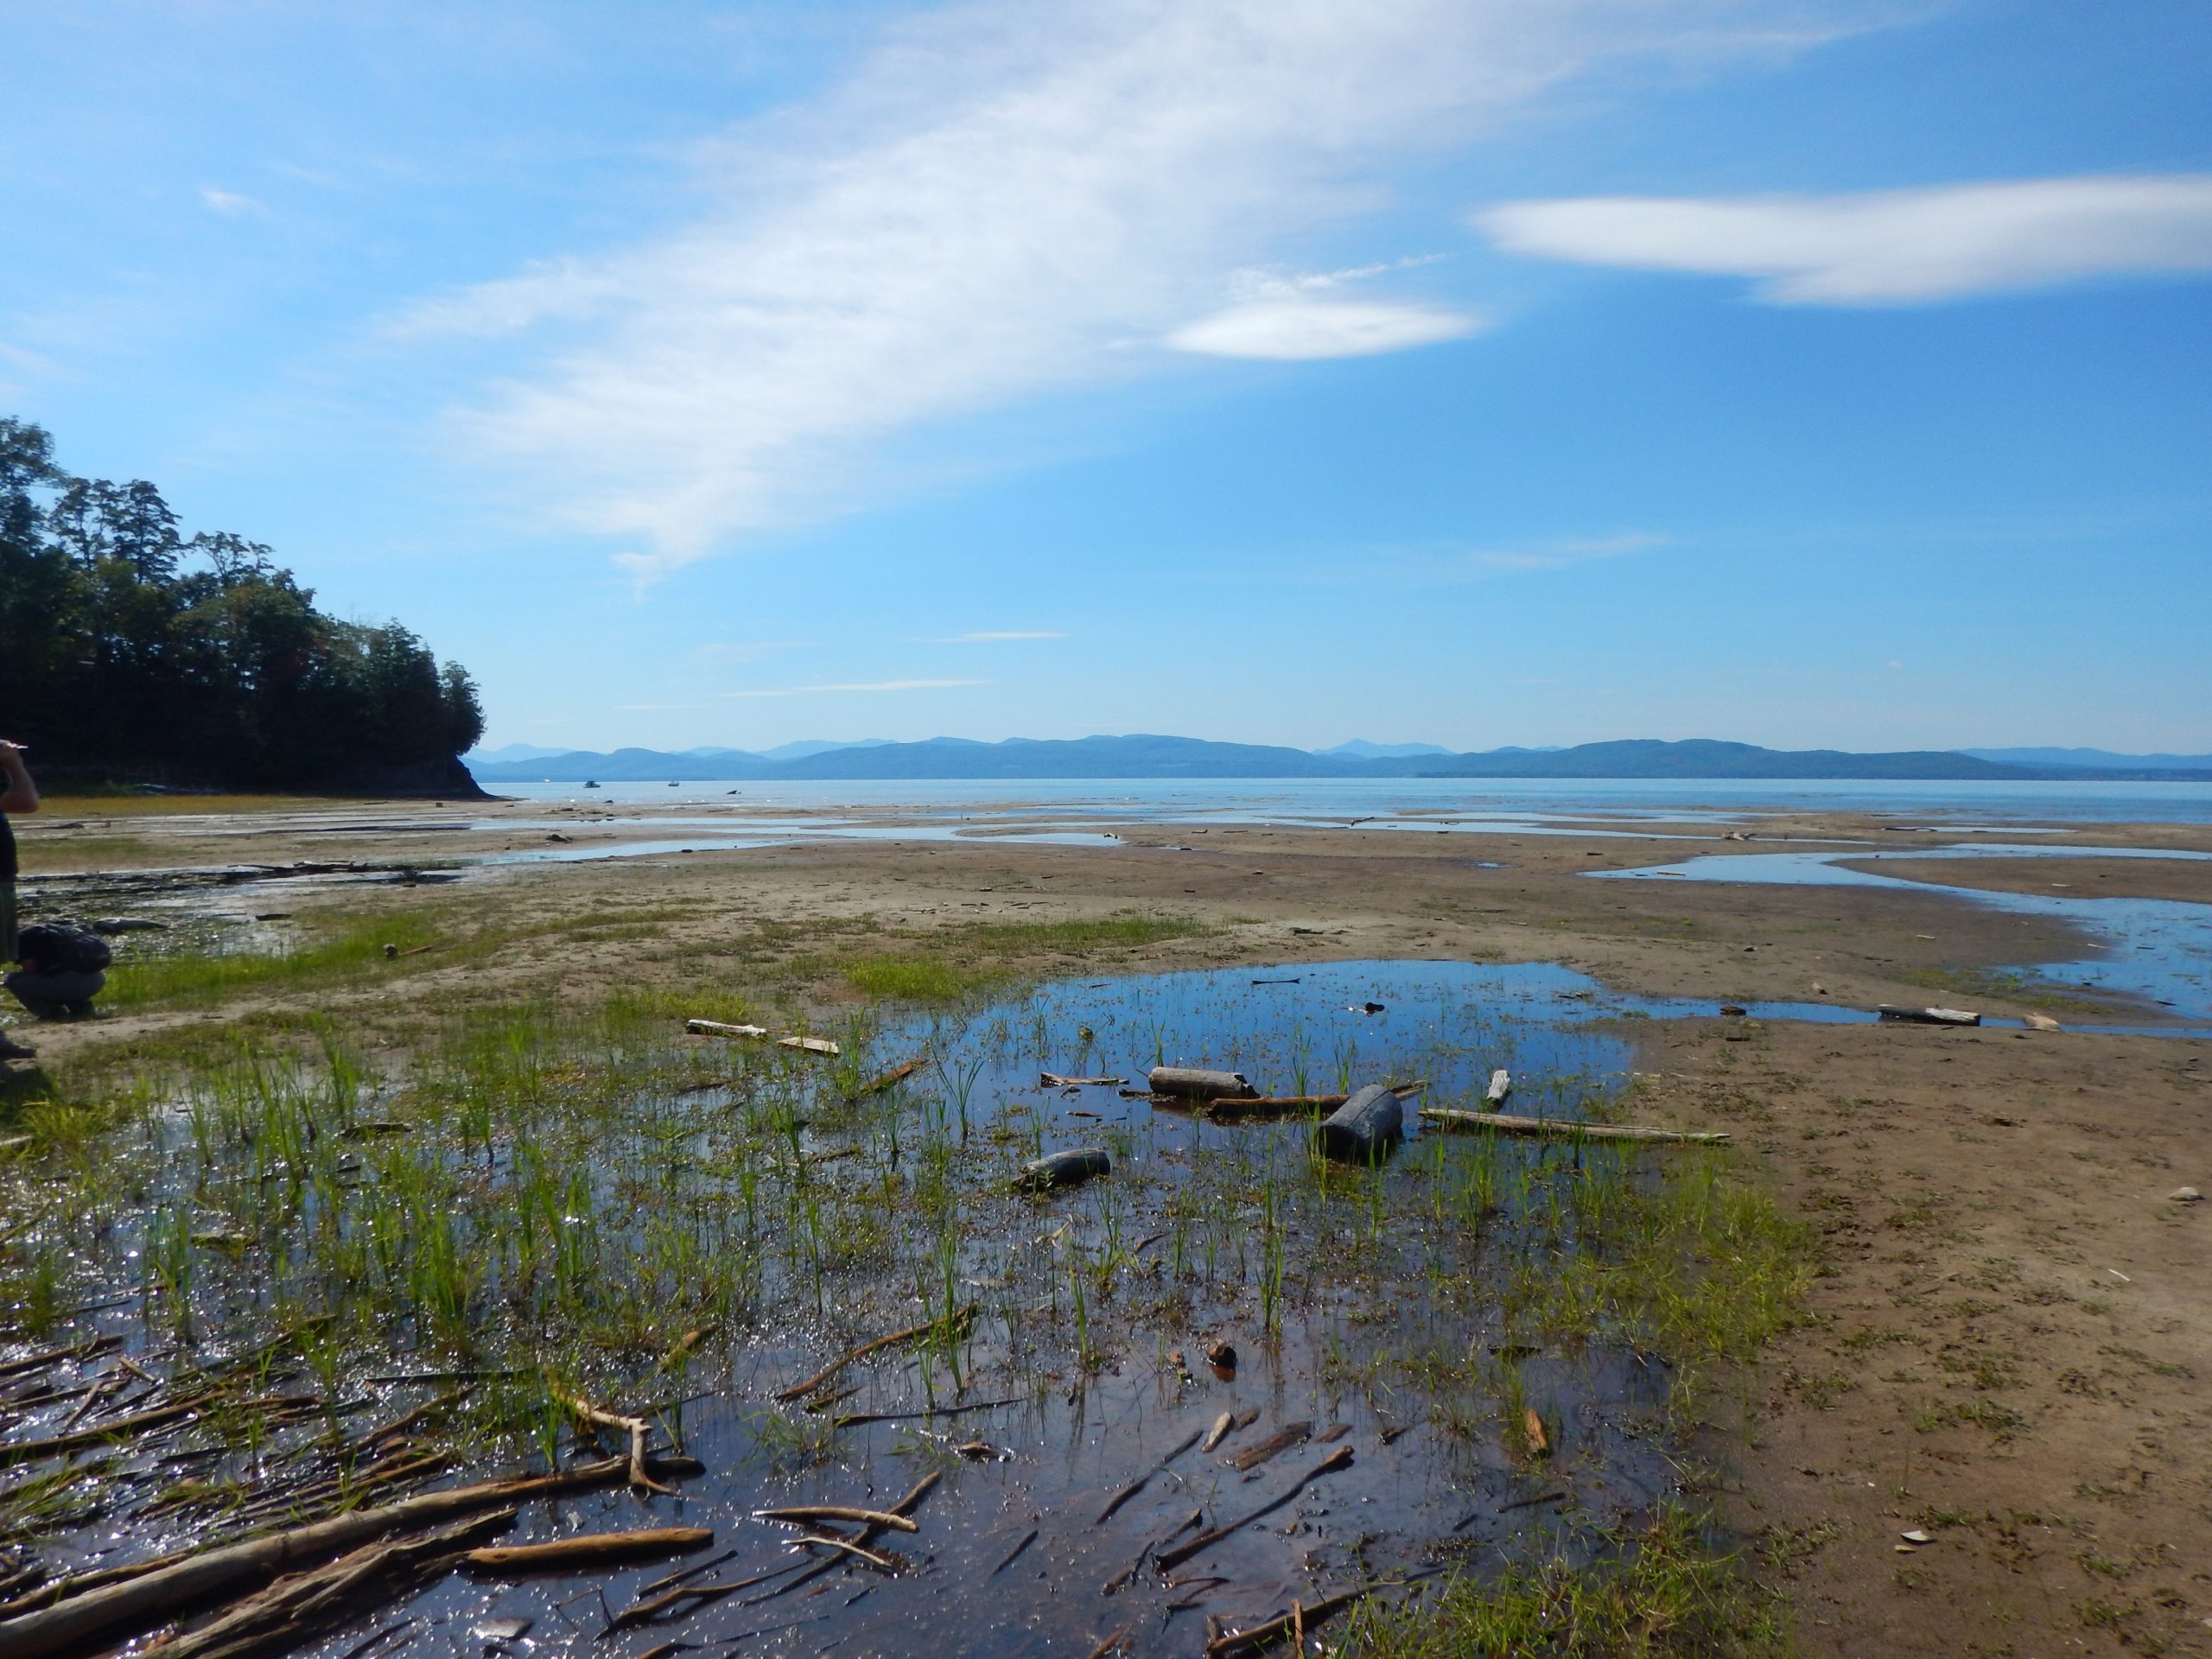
[1192,1083]
[1258,1106]
[1928,1016]
[1565,1128]
[1364,1128]
[588,1549]
[1501,1085]
[130,1606]
[1070,1169]
[954,1322]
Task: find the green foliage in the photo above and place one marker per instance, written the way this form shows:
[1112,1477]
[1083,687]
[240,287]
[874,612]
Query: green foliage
[125,646]
[1670,1592]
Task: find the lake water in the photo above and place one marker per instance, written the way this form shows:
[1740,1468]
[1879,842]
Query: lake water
[1172,800]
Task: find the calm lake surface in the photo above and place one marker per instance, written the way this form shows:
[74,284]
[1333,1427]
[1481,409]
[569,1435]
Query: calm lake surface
[1175,800]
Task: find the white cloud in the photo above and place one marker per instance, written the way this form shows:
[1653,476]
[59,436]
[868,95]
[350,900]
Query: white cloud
[876,685]
[1888,247]
[229,203]
[1008,199]
[1300,330]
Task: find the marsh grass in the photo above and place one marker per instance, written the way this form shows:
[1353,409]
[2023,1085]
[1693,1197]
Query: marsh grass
[580,1187]
[1671,1589]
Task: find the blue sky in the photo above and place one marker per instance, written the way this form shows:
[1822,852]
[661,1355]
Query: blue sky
[1472,371]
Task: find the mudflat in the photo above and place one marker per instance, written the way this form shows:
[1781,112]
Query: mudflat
[2008,1350]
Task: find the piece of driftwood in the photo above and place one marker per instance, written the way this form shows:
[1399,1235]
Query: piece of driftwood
[958,1319]
[1070,1169]
[1219,1432]
[837,1512]
[1268,1106]
[853,1420]
[906,1505]
[132,1605]
[884,1080]
[1237,1643]
[722,1028]
[1054,1080]
[2040,1022]
[1364,1128]
[88,1349]
[1281,1440]
[637,1428]
[1501,1085]
[1014,1554]
[824,1540]
[294,1610]
[588,1549]
[1133,1487]
[809,1045]
[1189,1083]
[1928,1016]
[1446,1117]
[1533,1437]
[1170,1559]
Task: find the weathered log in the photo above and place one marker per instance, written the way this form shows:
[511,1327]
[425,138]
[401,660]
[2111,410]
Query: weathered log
[1268,1106]
[1192,1083]
[1281,1440]
[1928,1016]
[294,1610]
[884,1080]
[1054,1080]
[810,1044]
[138,1604]
[1364,1128]
[1501,1085]
[1070,1169]
[1567,1128]
[722,1028]
[589,1549]
[637,1428]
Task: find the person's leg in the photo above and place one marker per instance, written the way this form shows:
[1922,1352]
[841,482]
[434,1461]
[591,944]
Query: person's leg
[50,996]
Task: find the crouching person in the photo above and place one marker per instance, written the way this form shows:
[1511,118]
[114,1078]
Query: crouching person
[64,967]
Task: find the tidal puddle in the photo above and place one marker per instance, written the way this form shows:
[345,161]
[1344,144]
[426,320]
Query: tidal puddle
[578,1203]
[2156,950]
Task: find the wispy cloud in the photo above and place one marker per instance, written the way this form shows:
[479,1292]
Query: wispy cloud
[229,203]
[1887,247]
[1300,330]
[1008,199]
[994,636]
[875,685]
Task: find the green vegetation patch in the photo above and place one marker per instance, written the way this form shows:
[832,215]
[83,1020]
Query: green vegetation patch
[1671,1591]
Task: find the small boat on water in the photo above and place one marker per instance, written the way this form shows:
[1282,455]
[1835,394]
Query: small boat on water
[593,783]
[671,783]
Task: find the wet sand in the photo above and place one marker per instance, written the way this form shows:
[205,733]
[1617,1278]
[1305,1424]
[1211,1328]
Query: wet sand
[2011,1349]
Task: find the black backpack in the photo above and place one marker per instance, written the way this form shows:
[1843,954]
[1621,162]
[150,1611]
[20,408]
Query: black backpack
[63,948]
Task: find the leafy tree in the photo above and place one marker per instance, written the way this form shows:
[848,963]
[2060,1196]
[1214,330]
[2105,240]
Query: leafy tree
[126,647]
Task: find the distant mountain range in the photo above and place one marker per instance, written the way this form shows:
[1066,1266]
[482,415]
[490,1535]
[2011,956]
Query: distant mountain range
[2101,759]
[1144,756]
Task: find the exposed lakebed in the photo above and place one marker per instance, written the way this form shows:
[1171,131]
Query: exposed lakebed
[586,1197]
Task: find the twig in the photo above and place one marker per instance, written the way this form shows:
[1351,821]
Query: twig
[848,1546]
[954,1321]
[1169,1559]
[856,1419]
[1137,1486]
[1014,1554]
[637,1427]
[836,1512]
[1293,1623]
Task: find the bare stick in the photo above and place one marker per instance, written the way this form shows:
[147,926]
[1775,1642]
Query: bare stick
[1170,1559]
[637,1427]
[954,1321]
[854,1419]
[1281,1441]
[848,1546]
[591,1550]
[1014,1554]
[1293,1623]
[836,1512]
[1138,1485]
[1504,1123]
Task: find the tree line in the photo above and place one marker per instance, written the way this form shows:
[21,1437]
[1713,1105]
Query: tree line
[128,650]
